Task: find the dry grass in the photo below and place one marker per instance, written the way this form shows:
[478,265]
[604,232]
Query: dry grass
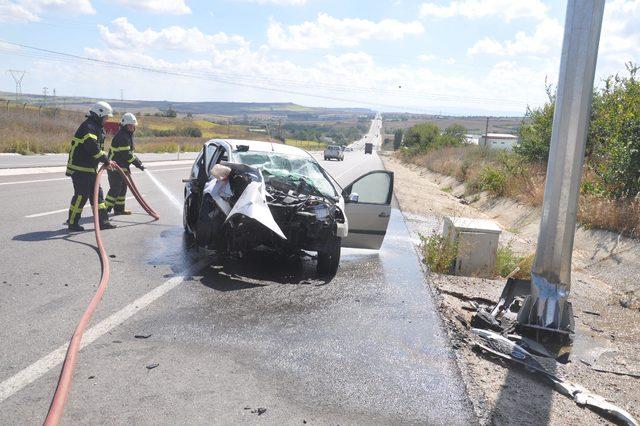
[618,215]
[30,130]
[508,176]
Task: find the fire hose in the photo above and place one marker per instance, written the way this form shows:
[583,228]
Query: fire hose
[64,381]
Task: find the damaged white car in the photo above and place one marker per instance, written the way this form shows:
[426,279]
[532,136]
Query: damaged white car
[243,195]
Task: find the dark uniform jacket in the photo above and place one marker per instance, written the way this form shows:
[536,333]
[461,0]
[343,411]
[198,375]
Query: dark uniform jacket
[122,149]
[87,145]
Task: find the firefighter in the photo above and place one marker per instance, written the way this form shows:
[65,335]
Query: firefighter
[85,153]
[122,153]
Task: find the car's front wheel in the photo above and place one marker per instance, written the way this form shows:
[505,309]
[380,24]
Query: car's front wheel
[329,259]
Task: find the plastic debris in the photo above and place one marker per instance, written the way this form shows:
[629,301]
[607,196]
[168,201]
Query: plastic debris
[500,346]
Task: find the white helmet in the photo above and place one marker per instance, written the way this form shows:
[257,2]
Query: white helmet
[102,109]
[128,118]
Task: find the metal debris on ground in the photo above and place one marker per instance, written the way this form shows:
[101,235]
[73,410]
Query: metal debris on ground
[259,411]
[502,347]
[152,366]
[142,336]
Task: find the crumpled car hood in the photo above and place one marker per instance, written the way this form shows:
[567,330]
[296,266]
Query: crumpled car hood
[251,203]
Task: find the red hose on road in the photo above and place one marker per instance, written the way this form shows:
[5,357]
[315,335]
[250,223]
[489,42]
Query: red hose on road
[64,382]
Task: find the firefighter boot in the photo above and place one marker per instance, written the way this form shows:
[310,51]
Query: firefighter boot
[104,220]
[75,227]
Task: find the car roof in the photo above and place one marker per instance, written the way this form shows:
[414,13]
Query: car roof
[262,146]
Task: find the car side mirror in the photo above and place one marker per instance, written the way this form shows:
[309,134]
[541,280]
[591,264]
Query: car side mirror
[353,197]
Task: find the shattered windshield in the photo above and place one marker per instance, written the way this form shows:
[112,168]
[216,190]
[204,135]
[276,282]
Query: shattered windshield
[292,168]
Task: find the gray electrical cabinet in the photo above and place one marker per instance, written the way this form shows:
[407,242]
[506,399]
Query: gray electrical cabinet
[477,241]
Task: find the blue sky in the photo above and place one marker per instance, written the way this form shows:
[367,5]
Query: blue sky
[457,57]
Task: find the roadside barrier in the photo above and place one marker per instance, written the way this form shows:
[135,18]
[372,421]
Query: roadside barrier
[66,375]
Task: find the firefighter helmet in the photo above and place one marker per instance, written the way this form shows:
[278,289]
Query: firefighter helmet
[101,109]
[128,118]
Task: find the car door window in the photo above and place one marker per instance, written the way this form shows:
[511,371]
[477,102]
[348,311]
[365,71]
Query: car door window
[373,188]
[218,156]
[210,152]
[196,167]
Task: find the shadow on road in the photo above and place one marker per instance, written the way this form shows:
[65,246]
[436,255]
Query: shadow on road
[263,268]
[64,234]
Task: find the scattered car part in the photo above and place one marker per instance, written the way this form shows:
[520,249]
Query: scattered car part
[502,347]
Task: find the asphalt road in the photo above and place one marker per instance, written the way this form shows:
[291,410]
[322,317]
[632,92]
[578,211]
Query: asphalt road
[8,161]
[365,347]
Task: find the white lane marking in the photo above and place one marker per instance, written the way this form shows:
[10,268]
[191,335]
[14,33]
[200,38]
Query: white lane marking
[57,169]
[53,179]
[42,366]
[65,210]
[32,181]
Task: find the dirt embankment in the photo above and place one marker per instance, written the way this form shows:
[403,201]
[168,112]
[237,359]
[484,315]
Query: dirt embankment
[605,295]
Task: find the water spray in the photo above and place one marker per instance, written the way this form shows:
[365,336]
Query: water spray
[176,203]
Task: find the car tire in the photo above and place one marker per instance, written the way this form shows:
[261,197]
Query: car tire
[329,260]
[185,218]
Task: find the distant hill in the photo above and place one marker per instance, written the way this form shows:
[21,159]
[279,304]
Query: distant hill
[287,109]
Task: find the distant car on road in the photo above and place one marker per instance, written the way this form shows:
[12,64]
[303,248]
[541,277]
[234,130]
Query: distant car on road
[368,148]
[333,151]
[243,195]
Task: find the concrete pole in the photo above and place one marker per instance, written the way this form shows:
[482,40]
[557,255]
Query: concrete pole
[548,307]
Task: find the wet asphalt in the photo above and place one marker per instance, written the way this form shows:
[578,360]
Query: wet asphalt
[365,347]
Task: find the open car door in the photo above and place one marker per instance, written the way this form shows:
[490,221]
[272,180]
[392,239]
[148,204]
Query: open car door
[368,208]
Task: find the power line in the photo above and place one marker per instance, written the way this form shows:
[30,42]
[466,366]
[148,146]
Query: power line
[256,82]
[235,78]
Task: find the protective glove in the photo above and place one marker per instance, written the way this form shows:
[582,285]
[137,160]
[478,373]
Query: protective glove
[140,166]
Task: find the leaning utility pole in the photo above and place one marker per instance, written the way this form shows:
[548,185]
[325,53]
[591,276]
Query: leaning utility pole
[547,310]
[17,75]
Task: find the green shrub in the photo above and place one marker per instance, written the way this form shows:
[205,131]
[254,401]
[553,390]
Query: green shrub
[438,252]
[192,132]
[493,180]
[506,261]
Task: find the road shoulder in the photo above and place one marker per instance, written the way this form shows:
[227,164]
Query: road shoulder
[503,395]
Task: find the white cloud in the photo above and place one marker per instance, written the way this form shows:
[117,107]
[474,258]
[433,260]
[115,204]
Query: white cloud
[619,40]
[327,31]
[14,12]
[353,78]
[30,10]
[620,36]
[474,9]
[545,40]
[124,35]
[278,2]
[169,7]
